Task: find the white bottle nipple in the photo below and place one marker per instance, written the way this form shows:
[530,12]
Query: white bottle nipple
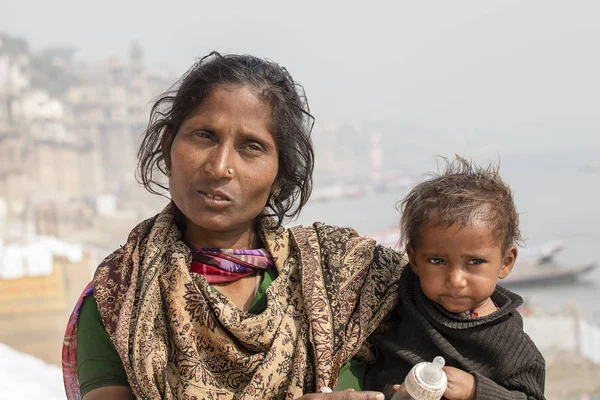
[432,373]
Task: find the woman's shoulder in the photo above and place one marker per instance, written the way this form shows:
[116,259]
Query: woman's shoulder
[342,239]
[325,238]
[325,231]
[119,255]
[113,277]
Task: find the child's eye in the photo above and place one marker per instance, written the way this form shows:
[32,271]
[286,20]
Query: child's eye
[436,261]
[476,261]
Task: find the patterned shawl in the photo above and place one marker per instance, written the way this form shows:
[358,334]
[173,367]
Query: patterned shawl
[228,265]
[178,339]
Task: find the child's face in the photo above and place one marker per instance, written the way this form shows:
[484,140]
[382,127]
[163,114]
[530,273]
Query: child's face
[458,266]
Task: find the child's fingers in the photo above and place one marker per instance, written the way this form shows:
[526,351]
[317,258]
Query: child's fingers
[399,388]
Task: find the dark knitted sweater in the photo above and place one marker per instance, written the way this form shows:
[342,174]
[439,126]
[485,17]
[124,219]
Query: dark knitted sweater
[505,362]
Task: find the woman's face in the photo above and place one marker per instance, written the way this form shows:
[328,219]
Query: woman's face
[224,162]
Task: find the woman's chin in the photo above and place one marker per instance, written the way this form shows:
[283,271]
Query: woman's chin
[214,223]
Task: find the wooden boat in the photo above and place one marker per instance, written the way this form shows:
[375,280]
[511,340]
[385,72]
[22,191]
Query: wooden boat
[525,274]
[540,268]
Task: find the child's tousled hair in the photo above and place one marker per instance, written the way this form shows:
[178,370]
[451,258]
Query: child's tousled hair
[460,195]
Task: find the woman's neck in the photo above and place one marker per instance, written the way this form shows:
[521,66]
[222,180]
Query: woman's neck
[237,239]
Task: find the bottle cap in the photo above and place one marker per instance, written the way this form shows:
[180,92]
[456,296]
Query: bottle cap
[429,384]
[432,374]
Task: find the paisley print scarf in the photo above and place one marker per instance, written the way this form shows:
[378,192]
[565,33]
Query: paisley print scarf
[178,339]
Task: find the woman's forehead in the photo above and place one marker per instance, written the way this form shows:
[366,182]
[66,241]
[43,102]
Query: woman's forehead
[227,102]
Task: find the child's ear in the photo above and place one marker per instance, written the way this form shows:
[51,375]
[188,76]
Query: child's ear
[508,262]
[411,258]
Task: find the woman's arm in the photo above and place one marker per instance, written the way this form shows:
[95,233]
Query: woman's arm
[110,392]
[345,395]
[349,285]
[98,363]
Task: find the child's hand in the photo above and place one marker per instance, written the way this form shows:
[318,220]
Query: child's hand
[400,388]
[461,385]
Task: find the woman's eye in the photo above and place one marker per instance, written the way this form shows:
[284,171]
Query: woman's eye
[204,135]
[254,147]
[436,261]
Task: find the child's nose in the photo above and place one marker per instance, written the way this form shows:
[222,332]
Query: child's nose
[456,278]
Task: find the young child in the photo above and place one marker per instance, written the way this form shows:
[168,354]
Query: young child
[461,229]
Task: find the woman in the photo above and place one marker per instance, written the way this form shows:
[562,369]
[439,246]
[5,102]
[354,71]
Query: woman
[213,298]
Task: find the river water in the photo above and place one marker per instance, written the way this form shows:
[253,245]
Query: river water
[556,199]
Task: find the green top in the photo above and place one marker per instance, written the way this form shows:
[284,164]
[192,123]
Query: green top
[99,364]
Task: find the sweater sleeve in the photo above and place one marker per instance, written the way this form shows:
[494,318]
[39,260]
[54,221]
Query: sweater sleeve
[526,383]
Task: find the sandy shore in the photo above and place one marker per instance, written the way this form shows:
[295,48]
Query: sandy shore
[570,377]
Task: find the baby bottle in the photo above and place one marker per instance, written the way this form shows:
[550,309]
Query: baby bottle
[425,381]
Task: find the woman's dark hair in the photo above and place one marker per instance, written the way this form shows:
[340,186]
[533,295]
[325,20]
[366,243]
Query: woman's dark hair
[291,123]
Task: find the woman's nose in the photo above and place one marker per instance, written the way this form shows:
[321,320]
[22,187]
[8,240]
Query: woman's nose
[219,164]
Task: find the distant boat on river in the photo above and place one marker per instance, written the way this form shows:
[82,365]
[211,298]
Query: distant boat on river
[536,266]
[541,268]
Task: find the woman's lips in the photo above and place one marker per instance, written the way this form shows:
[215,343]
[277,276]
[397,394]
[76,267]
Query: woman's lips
[214,198]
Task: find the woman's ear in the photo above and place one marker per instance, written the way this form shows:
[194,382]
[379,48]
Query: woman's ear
[165,145]
[508,262]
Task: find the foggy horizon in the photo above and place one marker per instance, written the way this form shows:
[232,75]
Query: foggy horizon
[392,85]
[500,70]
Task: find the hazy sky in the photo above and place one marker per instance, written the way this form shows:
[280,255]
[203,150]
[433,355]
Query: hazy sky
[514,70]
